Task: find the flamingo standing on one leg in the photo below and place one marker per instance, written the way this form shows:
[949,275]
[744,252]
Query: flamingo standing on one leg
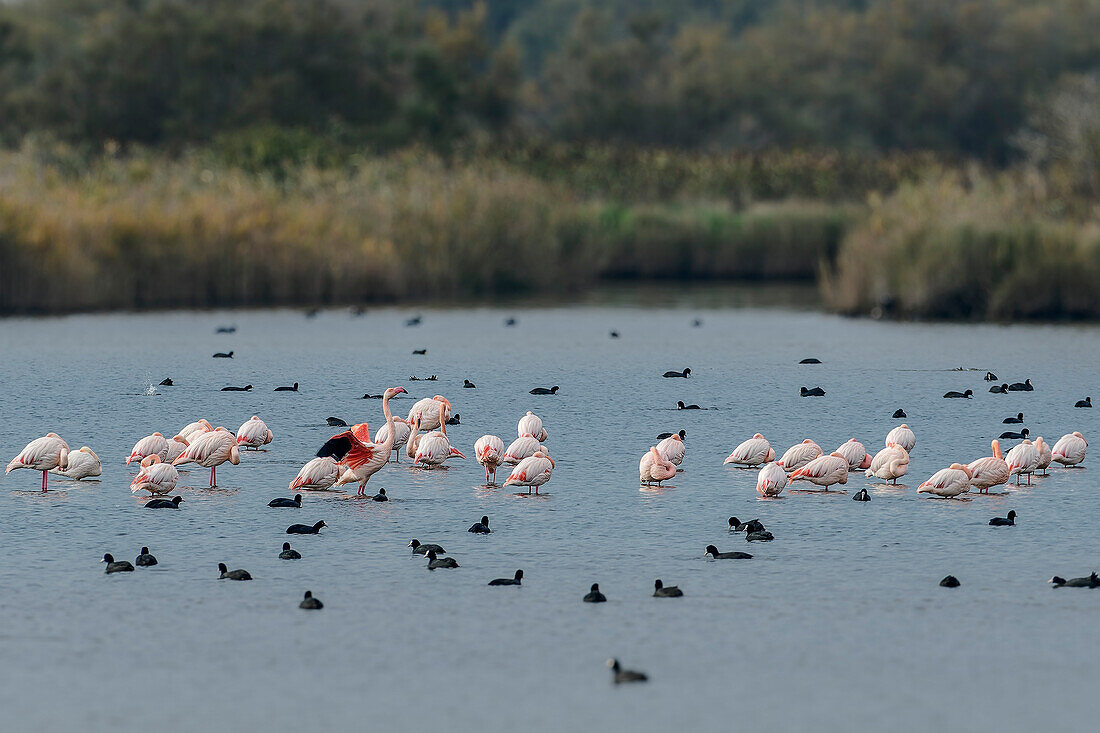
[489,451]
[1070,449]
[42,454]
[210,450]
[150,445]
[254,433]
[354,449]
[533,471]
[990,471]
[654,467]
[155,477]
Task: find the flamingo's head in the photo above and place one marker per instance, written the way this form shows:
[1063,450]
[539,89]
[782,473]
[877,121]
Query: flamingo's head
[150,460]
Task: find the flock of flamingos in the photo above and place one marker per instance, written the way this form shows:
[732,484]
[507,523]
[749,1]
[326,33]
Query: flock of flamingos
[353,456]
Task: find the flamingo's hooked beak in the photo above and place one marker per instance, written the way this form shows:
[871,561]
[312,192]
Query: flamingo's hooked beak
[456,452]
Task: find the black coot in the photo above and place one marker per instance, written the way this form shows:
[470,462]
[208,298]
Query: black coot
[145,560]
[712,551]
[686,373]
[164,503]
[815,392]
[1019,418]
[287,389]
[681,406]
[121,566]
[434,563]
[620,675]
[950,582]
[310,603]
[544,390]
[295,503]
[424,549]
[1010,435]
[594,595]
[481,527]
[517,580]
[660,591]
[959,395]
[899,413]
[227,574]
[1009,521]
[1087,402]
[288,553]
[305,528]
[380,496]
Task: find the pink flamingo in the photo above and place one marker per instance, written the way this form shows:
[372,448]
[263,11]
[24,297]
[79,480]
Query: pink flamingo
[195,429]
[521,448]
[316,475]
[799,455]
[401,430]
[210,450]
[655,467]
[412,443]
[824,471]
[990,471]
[531,424]
[150,445]
[1045,455]
[1022,459]
[254,433]
[889,464]
[354,449]
[753,452]
[856,453]
[435,447]
[947,483]
[42,454]
[428,411]
[903,436]
[489,451]
[1070,449]
[771,480]
[673,449]
[155,477]
[532,471]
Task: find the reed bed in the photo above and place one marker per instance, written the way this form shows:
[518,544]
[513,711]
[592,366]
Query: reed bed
[966,245]
[147,231]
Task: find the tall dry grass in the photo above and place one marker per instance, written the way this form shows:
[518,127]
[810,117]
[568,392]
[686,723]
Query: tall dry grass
[145,231]
[966,245]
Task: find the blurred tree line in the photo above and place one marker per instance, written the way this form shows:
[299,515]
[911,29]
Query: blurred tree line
[967,78]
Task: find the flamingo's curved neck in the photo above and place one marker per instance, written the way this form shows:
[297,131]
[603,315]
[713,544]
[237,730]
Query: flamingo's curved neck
[387,444]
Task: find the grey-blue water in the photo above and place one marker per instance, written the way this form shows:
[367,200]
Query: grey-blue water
[837,625]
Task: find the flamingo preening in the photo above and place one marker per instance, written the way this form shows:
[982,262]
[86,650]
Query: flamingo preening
[533,471]
[654,467]
[435,447]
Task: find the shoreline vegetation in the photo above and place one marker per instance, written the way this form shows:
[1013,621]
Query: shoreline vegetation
[912,158]
[147,230]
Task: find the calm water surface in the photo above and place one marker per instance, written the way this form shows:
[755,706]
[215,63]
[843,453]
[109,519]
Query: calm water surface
[837,625]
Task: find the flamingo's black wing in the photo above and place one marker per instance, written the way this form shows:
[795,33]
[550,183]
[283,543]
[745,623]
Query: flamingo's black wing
[337,446]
